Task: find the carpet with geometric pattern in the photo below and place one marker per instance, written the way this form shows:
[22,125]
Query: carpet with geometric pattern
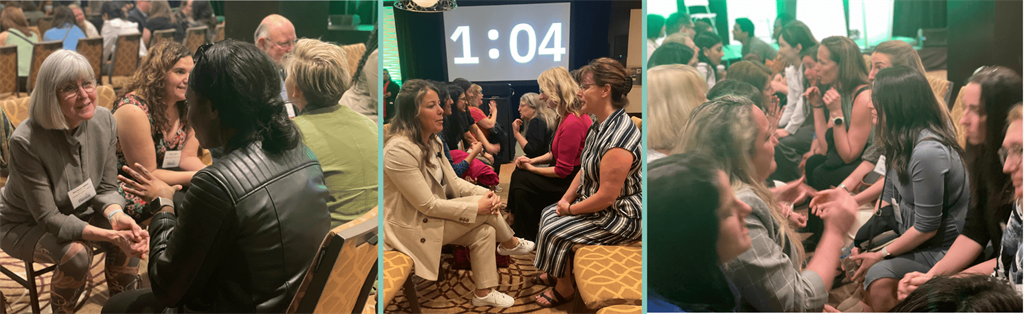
[453,290]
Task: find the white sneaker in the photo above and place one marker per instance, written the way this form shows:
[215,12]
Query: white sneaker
[494,299]
[524,247]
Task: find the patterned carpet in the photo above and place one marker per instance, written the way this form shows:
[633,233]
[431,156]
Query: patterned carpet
[92,300]
[453,290]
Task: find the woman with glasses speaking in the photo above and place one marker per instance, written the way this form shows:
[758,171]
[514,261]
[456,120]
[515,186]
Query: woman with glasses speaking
[61,193]
[252,222]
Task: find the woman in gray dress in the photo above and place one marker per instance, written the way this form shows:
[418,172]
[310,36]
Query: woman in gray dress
[929,194]
[62,189]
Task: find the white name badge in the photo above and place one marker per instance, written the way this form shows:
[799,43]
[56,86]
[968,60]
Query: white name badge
[171,159]
[83,193]
[880,165]
[291,110]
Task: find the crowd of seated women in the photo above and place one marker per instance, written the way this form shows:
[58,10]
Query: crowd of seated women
[117,18]
[236,235]
[835,133]
[578,182]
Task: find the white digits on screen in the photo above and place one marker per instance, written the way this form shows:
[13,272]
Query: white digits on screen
[556,50]
[513,44]
[550,45]
[466,58]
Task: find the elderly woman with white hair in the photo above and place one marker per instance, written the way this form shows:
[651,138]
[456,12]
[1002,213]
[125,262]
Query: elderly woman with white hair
[62,189]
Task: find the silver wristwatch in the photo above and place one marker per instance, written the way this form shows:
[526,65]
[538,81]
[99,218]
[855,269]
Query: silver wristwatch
[156,204]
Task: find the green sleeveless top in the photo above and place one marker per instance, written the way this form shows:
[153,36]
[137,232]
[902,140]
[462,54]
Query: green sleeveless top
[24,43]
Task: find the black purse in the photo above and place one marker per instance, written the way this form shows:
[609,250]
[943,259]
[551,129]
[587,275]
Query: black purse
[882,221]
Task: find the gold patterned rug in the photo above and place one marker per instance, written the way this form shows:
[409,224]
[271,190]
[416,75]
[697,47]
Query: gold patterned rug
[453,290]
[94,296]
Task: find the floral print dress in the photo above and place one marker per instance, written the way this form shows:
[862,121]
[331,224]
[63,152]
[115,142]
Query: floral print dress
[135,206]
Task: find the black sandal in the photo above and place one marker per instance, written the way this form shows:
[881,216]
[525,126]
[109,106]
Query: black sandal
[537,281]
[558,301]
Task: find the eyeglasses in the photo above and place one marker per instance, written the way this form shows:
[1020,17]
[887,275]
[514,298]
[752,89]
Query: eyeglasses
[586,86]
[71,89]
[1014,152]
[201,52]
[285,44]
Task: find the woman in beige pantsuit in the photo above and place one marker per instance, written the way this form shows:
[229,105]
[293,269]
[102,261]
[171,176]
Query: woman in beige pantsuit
[426,205]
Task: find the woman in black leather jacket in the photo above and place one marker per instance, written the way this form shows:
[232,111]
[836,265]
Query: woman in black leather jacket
[251,223]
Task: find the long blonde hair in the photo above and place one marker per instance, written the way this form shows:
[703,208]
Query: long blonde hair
[720,129]
[541,111]
[559,85]
[674,90]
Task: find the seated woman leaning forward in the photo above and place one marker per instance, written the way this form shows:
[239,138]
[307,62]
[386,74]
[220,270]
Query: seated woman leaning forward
[252,222]
[62,189]
[602,206]
[427,205]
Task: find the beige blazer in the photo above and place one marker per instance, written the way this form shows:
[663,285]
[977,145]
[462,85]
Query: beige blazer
[417,202]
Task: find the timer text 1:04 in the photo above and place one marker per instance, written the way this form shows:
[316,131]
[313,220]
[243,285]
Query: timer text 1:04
[553,38]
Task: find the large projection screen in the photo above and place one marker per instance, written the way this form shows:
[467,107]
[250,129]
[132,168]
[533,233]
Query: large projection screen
[506,42]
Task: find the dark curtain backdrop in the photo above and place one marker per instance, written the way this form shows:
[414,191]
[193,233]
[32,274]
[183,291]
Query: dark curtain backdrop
[910,15]
[422,54]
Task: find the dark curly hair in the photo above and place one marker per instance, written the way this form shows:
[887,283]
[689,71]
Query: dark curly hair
[243,84]
[148,82]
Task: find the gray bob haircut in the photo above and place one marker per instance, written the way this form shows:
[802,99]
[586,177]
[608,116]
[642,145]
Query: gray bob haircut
[59,68]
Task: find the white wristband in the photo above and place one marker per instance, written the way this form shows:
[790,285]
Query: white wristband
[111,216]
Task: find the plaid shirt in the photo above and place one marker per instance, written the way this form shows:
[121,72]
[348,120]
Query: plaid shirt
[768,275]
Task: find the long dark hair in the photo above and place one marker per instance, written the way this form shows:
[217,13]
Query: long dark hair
[112,9]
[243,84]
[853,72]
[63,15]
[688,271]
[371,46]
[670,53]
[148,82]
[906,106]
[974,293]
[797,33]
[704,41]
[1000,90]
[407,109]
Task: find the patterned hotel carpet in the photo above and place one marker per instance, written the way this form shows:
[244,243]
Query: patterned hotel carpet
[452,292]
[92,300]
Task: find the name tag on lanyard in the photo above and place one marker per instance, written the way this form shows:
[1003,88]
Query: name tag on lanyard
[81,194]
[171,159]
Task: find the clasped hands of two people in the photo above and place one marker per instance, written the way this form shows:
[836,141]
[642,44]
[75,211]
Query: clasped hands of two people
[130,237]
[839,208]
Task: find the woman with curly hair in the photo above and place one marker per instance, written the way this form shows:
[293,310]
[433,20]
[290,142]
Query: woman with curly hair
[151,129]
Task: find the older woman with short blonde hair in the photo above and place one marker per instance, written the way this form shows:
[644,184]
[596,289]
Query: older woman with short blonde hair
[344,141]
[673,92]
[62,191]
